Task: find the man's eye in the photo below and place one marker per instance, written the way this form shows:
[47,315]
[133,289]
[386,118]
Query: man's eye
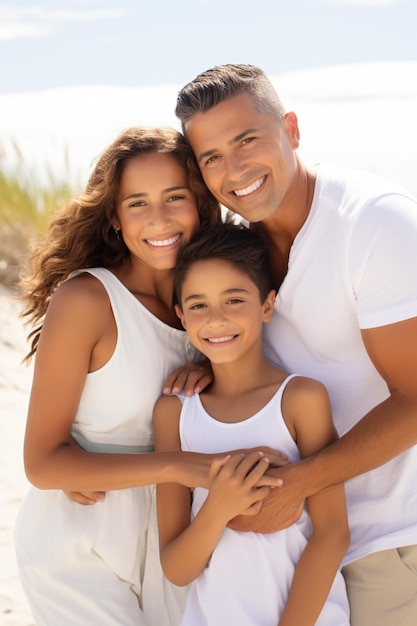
[211,160]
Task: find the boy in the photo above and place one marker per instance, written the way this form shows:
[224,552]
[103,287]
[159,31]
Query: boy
[225,295]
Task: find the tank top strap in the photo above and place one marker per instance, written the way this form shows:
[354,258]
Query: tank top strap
[280,391]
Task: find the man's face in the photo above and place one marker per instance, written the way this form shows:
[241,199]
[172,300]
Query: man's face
[246,158]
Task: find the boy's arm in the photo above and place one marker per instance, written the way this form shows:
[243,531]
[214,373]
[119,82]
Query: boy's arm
[320,560]
[182,560]
[185,546]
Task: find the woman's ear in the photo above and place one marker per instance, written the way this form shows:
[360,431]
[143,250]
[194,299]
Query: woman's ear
[269,305]
[180,315]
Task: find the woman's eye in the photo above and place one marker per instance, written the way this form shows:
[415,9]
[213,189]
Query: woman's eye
[174,198]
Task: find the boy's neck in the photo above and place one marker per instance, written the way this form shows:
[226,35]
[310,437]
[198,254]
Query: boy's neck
[231,379]
[239,391]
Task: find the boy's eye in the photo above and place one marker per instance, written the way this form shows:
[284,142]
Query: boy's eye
[235,301]
[195,307]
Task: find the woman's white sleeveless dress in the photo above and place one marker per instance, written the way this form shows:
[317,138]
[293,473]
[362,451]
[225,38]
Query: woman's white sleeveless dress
[99,565]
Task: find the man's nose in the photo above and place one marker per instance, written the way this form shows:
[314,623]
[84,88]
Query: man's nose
[236,166]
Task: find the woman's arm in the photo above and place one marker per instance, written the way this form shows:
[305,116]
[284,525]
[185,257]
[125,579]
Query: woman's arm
[307,406]
[76,339]
[185,546]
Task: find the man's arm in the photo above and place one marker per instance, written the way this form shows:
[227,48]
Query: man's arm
[387,430]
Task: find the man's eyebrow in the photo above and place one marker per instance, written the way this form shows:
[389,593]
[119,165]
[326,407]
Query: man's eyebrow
[236,139]
[226,292]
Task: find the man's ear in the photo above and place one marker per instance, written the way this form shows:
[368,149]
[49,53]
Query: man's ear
[269,305]
[290,123]
[180,315]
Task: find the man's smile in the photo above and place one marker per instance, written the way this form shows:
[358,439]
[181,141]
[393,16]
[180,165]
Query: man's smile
[251,188]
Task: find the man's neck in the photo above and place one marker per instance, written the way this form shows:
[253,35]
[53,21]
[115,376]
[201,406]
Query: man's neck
[280,230]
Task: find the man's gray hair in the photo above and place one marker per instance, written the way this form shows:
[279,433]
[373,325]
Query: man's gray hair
[225,81]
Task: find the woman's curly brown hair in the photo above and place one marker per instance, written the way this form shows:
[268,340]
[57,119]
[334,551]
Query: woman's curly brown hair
[81,234]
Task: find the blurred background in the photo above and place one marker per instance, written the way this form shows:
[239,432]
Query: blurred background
[75,73]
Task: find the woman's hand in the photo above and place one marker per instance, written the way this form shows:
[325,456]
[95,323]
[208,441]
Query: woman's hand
[86,497]
[190,378]
[275,457]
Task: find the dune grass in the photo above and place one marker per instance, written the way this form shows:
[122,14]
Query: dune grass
[26,204]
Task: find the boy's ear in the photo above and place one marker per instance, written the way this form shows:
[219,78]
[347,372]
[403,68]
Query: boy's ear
[269,305]
[180,315]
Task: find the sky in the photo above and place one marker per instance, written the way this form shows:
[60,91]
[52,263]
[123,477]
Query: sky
[54,43]
[75,73]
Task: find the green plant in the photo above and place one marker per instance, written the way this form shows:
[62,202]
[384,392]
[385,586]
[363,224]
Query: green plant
[26,204]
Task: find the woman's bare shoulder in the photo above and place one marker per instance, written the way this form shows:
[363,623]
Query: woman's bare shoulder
[83,290]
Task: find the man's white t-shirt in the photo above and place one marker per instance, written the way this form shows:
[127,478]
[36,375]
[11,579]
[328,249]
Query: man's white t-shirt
[353,265]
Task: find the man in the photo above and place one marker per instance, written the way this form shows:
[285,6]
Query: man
[343,247]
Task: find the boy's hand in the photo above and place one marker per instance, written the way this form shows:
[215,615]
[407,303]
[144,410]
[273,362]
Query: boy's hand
[235,484]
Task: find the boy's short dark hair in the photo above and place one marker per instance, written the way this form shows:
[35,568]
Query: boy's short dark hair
[225,81]
[233,243]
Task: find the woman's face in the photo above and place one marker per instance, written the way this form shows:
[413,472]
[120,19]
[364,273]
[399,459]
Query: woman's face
[156,209]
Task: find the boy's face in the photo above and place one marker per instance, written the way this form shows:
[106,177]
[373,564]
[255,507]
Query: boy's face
[222,311]
[247,159]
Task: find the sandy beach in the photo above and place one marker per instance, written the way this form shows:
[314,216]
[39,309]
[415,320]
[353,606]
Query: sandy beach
[15,380]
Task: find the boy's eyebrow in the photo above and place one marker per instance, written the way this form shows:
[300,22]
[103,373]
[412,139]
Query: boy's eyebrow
[227,292]
[236,139]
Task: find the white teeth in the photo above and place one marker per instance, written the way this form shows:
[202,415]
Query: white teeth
[219,339]
[165,242]
[253,187]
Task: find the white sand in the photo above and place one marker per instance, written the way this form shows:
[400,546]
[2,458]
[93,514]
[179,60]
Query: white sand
[15,382]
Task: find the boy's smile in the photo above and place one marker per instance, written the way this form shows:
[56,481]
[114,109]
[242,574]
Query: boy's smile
[222,310]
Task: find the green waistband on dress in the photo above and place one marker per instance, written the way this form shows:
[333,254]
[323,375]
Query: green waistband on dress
[109,448]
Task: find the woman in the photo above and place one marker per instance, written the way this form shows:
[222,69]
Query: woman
[106,337]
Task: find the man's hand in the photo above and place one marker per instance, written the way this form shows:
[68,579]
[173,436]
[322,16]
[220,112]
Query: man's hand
[191,378]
